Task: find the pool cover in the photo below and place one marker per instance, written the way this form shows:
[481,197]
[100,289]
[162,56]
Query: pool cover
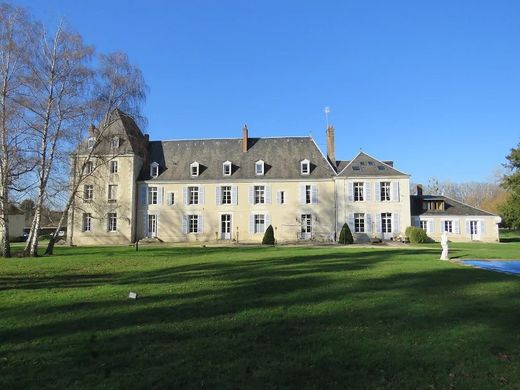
[509,266]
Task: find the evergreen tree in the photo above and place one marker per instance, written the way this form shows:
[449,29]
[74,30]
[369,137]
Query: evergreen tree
[345,236]
[510,209]
[268,236]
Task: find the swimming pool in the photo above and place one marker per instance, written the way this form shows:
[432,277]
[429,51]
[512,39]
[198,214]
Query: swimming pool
[507,266]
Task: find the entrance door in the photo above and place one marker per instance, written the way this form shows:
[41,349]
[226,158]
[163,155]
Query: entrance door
[152,225]
[473,230]
[225,226]
[306,228]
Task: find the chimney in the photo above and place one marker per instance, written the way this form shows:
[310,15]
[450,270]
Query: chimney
[330,145]
[244,139]
[92,130]
[419,190]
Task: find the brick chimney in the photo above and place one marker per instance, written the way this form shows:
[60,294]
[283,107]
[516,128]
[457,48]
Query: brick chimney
[244,139]
[419,190]
[331,154]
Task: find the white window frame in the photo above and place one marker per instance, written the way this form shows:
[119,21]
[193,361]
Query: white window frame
[305,167]
[385,191]
[154,169]
[257,224]
[193,221]
[361,193]
[360,223]
[87,222]
[259,192]
[259,164]
[171,198]
[226,193]
[447,226]
[194,169]
[114,142]
[193,195]
[112,222]
[281,197]
[153,195]
[88,189]
[88,167]
[112,192]
[308,194]
[114,167]
[227,166]
[386,223]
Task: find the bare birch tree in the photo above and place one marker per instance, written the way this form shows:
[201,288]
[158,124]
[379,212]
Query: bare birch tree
[118,85]
[54,97]
[15,43]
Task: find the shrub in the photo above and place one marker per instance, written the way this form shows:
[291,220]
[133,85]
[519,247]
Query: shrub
[268,236]
[416,235]
[345,236]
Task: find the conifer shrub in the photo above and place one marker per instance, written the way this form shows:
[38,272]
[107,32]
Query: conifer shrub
[345,236]
[416,235]
[268,236]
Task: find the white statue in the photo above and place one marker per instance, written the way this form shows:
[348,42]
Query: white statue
[444,244]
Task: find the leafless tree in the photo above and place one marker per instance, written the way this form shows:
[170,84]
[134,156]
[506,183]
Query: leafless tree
[16,37]
[118,85]
[54,96]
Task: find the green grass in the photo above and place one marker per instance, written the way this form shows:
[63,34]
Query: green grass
[266,318]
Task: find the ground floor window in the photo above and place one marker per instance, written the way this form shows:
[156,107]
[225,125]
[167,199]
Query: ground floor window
[424,225]
[259,223]
[152,225]
[87,222]
[306,227]
[112,222]
[193,223]
[386,222]
[359,223]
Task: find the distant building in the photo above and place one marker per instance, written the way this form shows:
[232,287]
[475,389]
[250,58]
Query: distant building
[231,190]
[16,219]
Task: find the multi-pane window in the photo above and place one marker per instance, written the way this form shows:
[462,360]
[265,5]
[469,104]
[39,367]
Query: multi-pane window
[424,225]
[114,142]
[88,192]
[385,190]
[112,192]
[259,194]
[226,168]
[305,167]
[153,195]
[306,223]
[225,194]
[194,169]
[386,222]
[308,194]
[193,195]
[259,167]
[113,166]
[448,226]
[359,223]
[358,191]
[193,223]
[259,223]
[154,170]
[112,222]
[89,167]
[87,222]
[281,197]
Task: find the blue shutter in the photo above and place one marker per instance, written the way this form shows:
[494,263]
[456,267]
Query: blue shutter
[267,221]
[482,226]
[217,195]
[394,188]
[201,194]
[314,194]
[268,194]
[184,223]
[378,223]
[396,228]
[431,226]
[251,194]
[200,227]
[368,223]
[144,191]
[368,193]
[350,222]
[350,191]
[377,187]
[234,195]
[185,195]
[251,223]
[279,197]
[456,226]
[145,225]
[302,194]
[160,193]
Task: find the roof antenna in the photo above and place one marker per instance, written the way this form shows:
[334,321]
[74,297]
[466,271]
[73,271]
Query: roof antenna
[327,112]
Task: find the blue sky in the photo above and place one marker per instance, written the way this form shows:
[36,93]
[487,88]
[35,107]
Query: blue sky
[432,85]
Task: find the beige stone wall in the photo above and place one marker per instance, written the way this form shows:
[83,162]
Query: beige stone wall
[285,218]
[372,207]
[16,225]
[487,227]
[124,206]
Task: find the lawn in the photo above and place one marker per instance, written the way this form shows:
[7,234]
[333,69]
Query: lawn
[266,318]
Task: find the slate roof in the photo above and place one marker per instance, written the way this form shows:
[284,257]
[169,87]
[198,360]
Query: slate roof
[364,165]
[282,157]
[452,207]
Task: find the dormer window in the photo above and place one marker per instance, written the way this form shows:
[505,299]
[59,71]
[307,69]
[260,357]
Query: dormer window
[154,169]
[194,169]
[91,141]
[305,167]
[89,167]
[259,168]
[226,168]
[114,142]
